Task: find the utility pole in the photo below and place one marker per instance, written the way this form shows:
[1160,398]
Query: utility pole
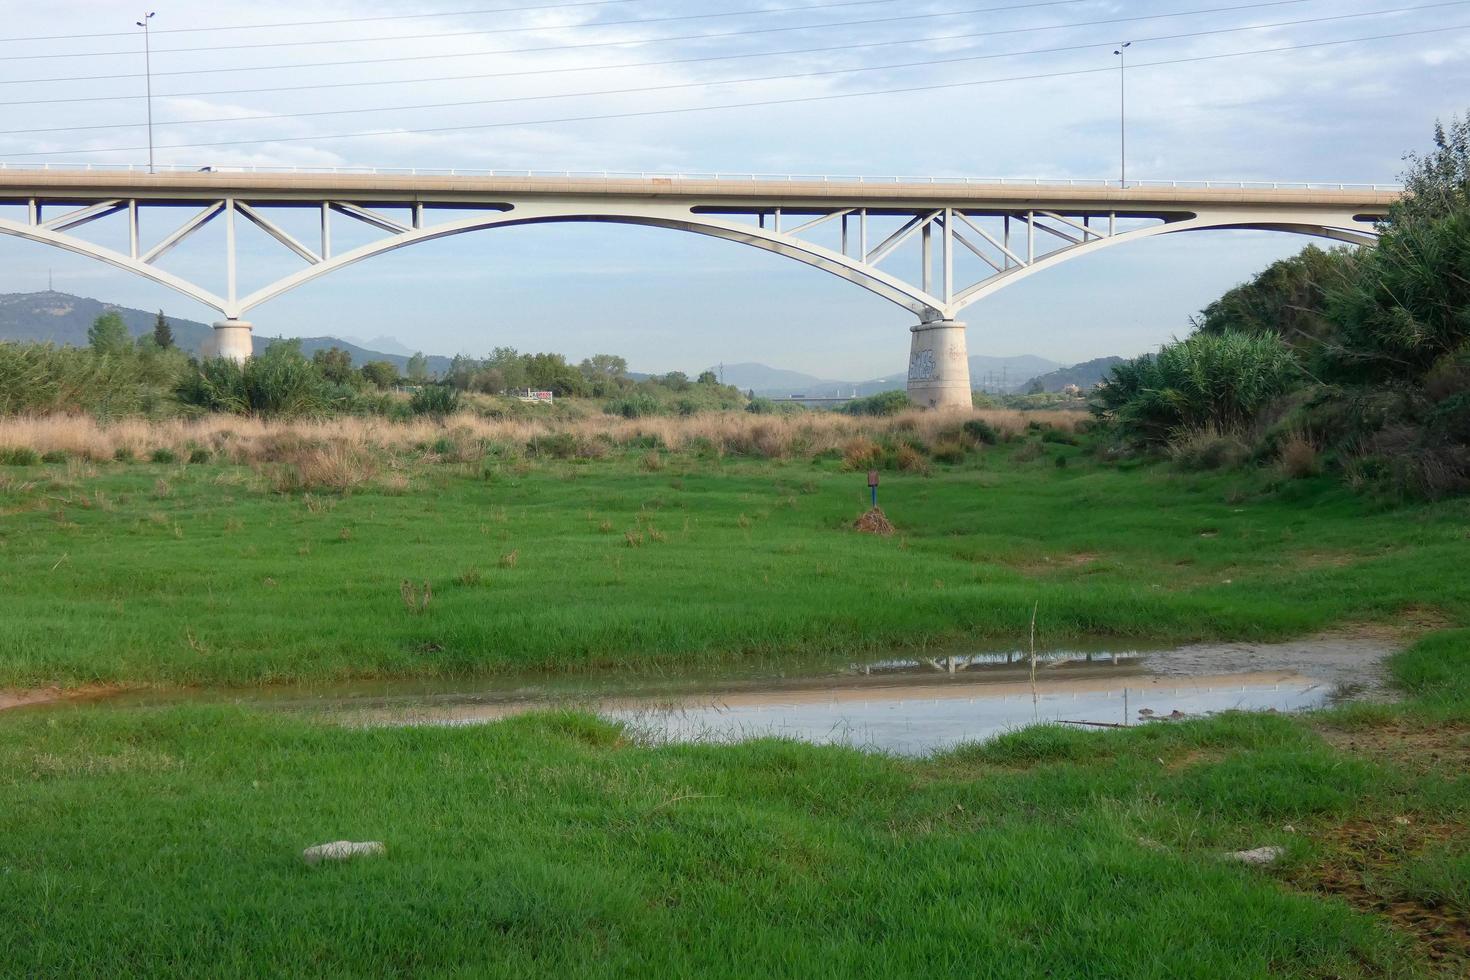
[148,74]
[1122,54]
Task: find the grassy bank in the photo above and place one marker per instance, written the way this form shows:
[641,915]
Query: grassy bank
[282,552]
[153,841]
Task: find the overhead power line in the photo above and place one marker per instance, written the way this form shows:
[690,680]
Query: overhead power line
[322,23]
[398,38]
[793,100]
[677,86]
[970,35]
[708,36]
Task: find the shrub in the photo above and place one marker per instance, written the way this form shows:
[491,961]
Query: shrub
[861,453]
[435,401]
[1210,381]
[760,406]
[163,455]
[884,403]
[1208,448]
[19,456]
[951,451]
[1298,457]
[981,431]
[635,406]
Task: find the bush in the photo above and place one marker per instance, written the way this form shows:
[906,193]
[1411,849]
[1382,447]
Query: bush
[19,456]
[1214,382]
[1208,448]
[635,406]
[278,383]
[981,431]
[436,401]
[884,403]
[163,455]
[1298,457]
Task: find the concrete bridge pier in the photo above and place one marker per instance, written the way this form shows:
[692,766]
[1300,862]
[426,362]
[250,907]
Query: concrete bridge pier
[939,365]
[232,339]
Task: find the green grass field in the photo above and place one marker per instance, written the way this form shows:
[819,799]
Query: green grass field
[202,574]
[166,840]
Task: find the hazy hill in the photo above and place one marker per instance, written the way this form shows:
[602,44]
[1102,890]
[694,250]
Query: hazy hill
[1084,375]
[60,318]
[996,373]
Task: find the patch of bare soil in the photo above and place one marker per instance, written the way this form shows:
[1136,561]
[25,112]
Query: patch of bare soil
[874,522]
[1366,852]
[1406,746]
[25,697]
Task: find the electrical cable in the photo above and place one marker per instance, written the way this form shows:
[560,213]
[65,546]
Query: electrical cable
[793,100]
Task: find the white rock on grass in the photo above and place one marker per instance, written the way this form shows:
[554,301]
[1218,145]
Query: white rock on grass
[342,850]
[1259,855]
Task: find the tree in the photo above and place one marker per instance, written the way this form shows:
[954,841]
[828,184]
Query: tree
[1286,299]
[335,364]
[418,367]
[1438,183]
[108,334]
[462,371]
[379,374]
[608,367]
[163,334]
[708,378]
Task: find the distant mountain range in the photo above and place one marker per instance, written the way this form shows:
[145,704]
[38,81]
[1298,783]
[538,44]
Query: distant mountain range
[991,373]
[60,318]
[1084,375]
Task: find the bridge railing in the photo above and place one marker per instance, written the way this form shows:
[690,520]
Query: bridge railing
[711,176]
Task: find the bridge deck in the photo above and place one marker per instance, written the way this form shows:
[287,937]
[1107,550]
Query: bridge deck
[449,189]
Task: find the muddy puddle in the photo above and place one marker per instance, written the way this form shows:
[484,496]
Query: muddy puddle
[904,704]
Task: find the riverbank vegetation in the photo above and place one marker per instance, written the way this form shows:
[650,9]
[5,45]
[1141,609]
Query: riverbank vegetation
[1356,362]
[240,551]
[558,845]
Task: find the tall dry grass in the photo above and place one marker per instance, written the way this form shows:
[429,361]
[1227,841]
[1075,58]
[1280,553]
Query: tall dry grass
[253,441]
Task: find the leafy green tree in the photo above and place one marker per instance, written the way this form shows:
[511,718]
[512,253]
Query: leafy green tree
[1287,299]
[510,367]
[707,378]
[163,334]
[380,374]
[1438,183]
[334,363]
[607,367]
[418,367]
[109,335]
[462,371]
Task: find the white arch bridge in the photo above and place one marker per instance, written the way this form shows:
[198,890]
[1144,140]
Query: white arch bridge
[931,246]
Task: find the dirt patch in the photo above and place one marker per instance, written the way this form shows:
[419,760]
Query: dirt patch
[1417,749]
[25,697]
[874,522]
[1343,659]
[1364,857]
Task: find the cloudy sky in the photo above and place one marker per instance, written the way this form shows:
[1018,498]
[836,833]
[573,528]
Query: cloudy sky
[1316,111]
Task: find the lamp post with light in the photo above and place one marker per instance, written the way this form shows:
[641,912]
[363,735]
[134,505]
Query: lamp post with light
[1123,112]
[148,75]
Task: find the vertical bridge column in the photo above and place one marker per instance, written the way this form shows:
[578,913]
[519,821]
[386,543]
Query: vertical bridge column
[232,339]
[939,365]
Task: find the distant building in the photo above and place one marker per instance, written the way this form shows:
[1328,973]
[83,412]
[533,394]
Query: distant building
[1073,390]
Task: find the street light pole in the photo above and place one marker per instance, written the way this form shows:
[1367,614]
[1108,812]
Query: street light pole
[1123,112]
[148,74]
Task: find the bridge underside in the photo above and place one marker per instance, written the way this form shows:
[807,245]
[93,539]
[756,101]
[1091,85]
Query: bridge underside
[932,255]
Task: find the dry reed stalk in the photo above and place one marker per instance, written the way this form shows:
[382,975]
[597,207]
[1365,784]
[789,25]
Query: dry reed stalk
[248,440]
